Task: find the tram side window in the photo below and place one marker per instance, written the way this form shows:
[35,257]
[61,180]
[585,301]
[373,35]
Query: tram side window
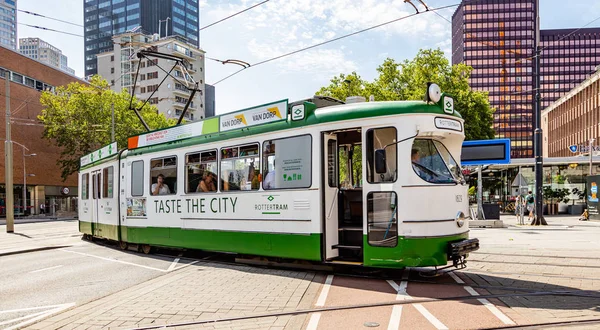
[201,171]
[137,178]
[107,183]
[382,219]
[240,168]
[377,139]
[287,163]
[85,186]
[163,176]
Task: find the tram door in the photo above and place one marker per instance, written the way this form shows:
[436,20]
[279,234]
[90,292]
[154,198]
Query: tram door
[330,189]
[96,185]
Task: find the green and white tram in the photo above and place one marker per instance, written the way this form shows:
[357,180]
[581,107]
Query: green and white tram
[376,184]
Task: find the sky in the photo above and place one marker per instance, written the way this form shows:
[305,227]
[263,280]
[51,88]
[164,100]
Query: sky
[282,26]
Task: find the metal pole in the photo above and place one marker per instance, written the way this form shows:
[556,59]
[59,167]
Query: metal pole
[24,184]
[591,154]
[112,132]
[479,192]
[8,165]
[539,161]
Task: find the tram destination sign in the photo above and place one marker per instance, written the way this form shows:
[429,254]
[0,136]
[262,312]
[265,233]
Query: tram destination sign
[268,113]
[485,152]
[198,128]
[99,154]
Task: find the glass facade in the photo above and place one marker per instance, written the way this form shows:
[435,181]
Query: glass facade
[8,24]
[104,18]
[497,38]
[565,63]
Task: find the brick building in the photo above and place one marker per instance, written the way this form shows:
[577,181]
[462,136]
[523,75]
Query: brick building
[28,78]
[574,119]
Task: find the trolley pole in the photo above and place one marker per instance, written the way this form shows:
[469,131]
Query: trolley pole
[8,164]
[539,160]
[112,131]
[479,193]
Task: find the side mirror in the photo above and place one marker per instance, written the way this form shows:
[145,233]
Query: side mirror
[380,161]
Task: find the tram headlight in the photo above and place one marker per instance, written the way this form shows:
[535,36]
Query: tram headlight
[434,93]
[460,219]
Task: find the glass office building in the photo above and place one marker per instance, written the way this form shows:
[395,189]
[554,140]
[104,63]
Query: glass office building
[497,38]
[104,18]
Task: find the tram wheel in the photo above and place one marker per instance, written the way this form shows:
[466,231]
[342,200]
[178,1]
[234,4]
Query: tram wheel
[146,248]
[123,245]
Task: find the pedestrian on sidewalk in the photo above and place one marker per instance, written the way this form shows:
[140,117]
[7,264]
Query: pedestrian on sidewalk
[42,208]
[530,200]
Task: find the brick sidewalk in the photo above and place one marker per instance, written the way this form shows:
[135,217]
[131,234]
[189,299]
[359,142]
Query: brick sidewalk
[544,260]
[198,292]
[38,236]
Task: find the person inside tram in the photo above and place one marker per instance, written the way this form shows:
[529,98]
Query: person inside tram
[207,183]
[270,179]
[160,188]
[415,158]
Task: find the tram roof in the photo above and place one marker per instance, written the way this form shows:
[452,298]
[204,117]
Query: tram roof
[214,129]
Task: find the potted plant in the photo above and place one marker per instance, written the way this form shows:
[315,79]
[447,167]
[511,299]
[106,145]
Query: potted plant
[581,197]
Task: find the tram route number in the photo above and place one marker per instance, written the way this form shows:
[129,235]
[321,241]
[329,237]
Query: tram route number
[196,205]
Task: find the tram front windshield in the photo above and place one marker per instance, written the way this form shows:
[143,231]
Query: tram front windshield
[432,162]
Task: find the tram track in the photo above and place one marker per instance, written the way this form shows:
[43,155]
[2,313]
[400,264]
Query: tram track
[360,306]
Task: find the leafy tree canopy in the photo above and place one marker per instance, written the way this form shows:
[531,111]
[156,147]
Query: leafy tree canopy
[77,118]
[408,81]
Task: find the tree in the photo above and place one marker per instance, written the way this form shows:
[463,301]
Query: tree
[77,118]
[408,81]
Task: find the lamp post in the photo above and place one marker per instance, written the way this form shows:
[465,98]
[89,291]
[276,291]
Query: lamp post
[591,153]
[25,179]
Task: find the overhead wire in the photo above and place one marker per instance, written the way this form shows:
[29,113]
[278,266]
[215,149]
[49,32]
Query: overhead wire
[48,17]
[233,15]
[53,30]
[334,39]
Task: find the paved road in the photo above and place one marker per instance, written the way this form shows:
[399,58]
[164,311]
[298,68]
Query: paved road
[50,280]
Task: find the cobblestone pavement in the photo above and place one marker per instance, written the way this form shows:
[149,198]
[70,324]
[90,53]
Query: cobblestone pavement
[560,257]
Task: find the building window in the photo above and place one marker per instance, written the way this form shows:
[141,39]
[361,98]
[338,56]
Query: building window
[85,186]
[153,100]
[152,62]
[143,90]
[152,75]
[201,171]
[152,88]
[240,168]
[163,176]
[287,163]
[112,70]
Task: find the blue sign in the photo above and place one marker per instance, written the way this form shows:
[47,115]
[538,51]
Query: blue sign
[573,148]
[485,152]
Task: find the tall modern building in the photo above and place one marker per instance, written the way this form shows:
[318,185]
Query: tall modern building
[8,23]
[105,18]
[497,38]
[120,66]
[44,52]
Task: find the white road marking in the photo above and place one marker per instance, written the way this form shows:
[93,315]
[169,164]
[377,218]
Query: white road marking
[38,316]
[401,294]
[28,309]
[173,264]
[115,260]
[23,318]
[314,318]
[314,321]
[43,269]
[324,291]
[432,319]
[501,316]
[395,318]
[191,263]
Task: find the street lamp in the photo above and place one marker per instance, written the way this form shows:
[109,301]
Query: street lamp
[591,153]
[25,179]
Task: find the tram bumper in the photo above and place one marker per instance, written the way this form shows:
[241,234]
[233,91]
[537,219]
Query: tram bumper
[459,250]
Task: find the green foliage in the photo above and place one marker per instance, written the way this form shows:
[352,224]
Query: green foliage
[408,81]
[556,195]
[77,118]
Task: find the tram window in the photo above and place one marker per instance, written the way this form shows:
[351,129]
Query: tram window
[163,176]
[201,171]
[137,178]
[287,163]
[382,219]
[107,183]
[379,138]
[85,186]
[432,162]
[332,160]
[240,168]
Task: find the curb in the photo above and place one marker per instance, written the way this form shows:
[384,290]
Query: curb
[44,248]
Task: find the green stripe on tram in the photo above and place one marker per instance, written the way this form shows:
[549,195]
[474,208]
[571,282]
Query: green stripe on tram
[293,246]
